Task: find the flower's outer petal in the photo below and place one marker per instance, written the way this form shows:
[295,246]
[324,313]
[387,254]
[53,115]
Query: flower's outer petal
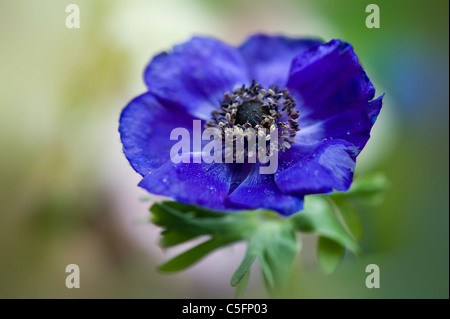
[350,125]
[269,58]
[192,183]
[375,108]
[260,191]
[334,94]
[145,126]
[196,75]
[316,169]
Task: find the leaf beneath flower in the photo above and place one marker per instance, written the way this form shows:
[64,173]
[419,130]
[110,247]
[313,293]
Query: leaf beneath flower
[271,239]
[329,254]
[368,190]
[318,217]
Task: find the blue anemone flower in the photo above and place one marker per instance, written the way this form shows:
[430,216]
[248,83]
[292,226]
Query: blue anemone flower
[323,81]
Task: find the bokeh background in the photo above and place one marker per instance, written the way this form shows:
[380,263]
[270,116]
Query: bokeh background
[68,195]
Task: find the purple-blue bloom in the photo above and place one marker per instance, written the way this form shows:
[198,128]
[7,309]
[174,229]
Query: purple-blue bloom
[330,89]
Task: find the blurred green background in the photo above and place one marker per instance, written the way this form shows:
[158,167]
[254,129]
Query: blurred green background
[69,196]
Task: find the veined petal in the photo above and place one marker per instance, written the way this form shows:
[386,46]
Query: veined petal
[145,126]
[196,74]
[260,191]
[333,93]
[193,183]
[269,58]
[316,169]
[350,125]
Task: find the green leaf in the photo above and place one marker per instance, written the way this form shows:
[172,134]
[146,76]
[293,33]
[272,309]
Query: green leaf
[182,223]
[193,255]
[190,221]
[271,238]
[244,268]
[275,245]
[242,285]
[318,217]
[280,253]
[171,238]
[348,216]
[369,189]
[329,254]
[267,271]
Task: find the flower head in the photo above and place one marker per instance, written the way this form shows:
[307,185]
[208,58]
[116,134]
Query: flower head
[316,95]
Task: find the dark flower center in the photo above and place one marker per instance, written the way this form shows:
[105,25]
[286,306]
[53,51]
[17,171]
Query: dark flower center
[251,112]
[260,109]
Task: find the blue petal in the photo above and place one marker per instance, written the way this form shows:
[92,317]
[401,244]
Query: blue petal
[334,94]
[316,169]
[269,58]
[260,191]
[193,183]
[350,125]
[196,74]
[145,126]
